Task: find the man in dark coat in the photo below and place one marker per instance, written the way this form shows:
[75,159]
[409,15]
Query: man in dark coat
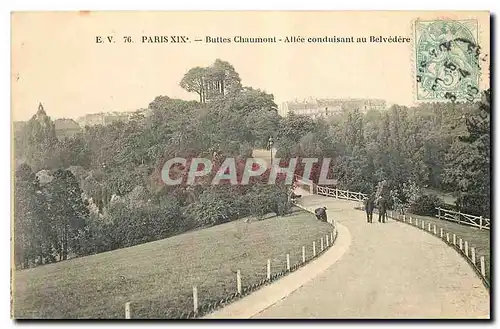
[369,206]
[382,209]
[321,214]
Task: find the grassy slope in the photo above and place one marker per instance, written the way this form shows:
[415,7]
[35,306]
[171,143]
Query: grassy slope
[447,197]
[157,277]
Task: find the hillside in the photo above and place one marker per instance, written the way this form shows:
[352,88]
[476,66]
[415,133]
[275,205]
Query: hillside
[157,277]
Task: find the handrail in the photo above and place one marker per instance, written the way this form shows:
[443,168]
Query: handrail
[445,214]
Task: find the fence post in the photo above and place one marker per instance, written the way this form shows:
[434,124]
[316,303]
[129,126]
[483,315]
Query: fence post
[429,227]
[404,218]
[441,232]
[127,310]
[448,237]
[322,244]
[416,221]
[461,244]
[303,254]
[410,220]
[269,269]
[423,225]
[331,236]
[483,267]
[314,248]
[480,222]
[238,281]
[327,241]
[195,300]
[473,251]
[435,230]
[467,249]
[336,193]
[439,213]
[454,239]
[288,262]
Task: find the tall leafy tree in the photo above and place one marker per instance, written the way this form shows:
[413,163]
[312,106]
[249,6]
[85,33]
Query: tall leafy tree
[219,79]
[195,80]
[69,214]
[30,220]
[39,140]
[470,161]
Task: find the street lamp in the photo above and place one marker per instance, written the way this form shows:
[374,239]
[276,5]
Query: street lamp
[271,142]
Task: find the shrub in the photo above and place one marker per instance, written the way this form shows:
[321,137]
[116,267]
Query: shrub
[263,199]
[425,205]
[216,205]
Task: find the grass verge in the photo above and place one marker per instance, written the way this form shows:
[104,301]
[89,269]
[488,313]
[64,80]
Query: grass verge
[157,278]
[479,239]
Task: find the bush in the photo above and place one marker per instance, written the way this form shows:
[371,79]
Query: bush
[426,205]
[124,225]
[216,205]
[263,199]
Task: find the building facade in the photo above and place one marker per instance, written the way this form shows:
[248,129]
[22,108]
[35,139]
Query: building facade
[316,108]
[102,118]
[107,118]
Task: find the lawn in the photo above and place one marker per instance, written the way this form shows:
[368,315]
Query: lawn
[157,278]
[479,239]
[447,197]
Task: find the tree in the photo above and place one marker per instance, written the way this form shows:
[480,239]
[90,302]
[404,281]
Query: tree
[222,79]
[72,151]
[69,214]
[219,79]
[30,220]
[195,81]
[468,169]
[39,141]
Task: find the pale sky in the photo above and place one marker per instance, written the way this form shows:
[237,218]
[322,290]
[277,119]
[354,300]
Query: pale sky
[56,60]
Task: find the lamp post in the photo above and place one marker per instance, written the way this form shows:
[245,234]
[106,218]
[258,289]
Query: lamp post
[271,142]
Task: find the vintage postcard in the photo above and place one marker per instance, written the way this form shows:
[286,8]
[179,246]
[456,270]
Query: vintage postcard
[251,165]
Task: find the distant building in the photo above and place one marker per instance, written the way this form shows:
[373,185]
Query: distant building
[66,127]
[103,118]
[91,120]
[316,108]
[107,118]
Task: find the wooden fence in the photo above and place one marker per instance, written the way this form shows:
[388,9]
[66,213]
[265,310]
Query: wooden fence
[341,194]
[444,214]
[465,219]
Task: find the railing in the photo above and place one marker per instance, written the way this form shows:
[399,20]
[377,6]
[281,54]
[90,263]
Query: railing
[341,194]
[444,214]
[465,219]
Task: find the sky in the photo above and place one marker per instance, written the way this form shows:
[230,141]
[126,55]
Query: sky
[56,60]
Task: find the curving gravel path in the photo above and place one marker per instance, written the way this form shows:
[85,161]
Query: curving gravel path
[390,270]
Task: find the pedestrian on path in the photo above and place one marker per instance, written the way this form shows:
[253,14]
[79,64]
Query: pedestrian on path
[369,206]
[321,214]
[382,209]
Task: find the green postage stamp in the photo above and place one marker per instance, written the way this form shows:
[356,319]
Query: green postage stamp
[447,60]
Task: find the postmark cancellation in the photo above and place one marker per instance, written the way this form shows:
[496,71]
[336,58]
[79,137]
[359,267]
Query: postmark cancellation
[447,60]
